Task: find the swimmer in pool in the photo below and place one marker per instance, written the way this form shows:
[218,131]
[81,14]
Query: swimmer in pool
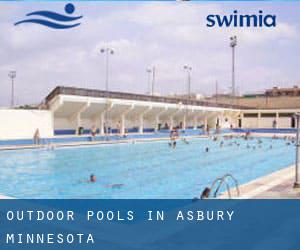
[117,185]
[207,149]
[92,178]
[185,141]
[205,193]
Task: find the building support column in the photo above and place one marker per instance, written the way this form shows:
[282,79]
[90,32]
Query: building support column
[205,123]
[123,121]
[157,118]
[77,116]
[171,122]
[141,124]
[78,122]
[195,121]
[242,119]
[156,122]
[184,122]
[258,119]
[101,127]
[141,120]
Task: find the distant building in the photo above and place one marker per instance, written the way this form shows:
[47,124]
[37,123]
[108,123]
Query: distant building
[193,96]
[274,92]
[253,95]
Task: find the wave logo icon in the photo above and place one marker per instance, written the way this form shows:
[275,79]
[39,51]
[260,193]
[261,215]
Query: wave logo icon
[53,20]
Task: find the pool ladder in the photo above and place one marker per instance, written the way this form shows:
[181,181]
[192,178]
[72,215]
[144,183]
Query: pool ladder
[223,180]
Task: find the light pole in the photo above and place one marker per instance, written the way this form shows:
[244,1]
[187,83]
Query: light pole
[217,91]
[107,51]
[153,79]
[149,72]
[233,44]
[297,181]
[12,75]
[153,72]
[188,69]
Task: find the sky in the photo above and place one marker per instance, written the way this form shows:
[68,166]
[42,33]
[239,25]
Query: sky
[144,34]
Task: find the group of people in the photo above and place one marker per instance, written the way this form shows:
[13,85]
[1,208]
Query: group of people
[258,143]
[174,135]
[106,130]
[93,179]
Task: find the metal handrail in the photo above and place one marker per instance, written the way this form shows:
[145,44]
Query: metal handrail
[235,182]
[220,181]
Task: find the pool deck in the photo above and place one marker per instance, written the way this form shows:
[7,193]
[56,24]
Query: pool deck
[98,142]
[277,185]
[5,197]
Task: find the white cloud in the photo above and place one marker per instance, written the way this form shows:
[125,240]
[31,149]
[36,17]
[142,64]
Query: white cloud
[167,35]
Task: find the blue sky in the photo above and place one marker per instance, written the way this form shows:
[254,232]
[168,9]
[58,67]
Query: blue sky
[167,35]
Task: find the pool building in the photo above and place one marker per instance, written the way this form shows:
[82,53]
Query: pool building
[69,111]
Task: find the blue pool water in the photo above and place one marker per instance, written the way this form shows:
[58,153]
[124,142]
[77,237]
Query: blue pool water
[147,170]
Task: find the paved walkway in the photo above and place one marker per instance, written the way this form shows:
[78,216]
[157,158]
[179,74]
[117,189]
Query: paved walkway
[278,185]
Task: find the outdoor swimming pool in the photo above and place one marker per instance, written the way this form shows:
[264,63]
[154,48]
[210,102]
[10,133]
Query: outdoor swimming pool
[147,170]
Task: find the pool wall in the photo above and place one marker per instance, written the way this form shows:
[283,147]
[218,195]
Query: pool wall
[100,138]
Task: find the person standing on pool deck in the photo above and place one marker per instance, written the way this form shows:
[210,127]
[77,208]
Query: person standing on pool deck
[274,124]
[119,127]
[36,137]
[93,132]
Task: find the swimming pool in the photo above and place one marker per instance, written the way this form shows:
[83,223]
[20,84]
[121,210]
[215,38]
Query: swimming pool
[147,170]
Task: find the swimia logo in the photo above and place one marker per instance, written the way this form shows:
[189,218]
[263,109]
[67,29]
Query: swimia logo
[52,19]
[242,20]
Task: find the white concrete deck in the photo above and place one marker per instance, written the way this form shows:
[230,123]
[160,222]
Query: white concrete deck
[277,185]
